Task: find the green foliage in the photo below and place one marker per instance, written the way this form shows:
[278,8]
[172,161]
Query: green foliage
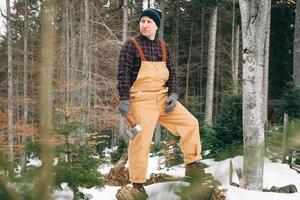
[81,172]
[32,148]
[291,101]
[121,149]
[281,48]
[67,128]
[171,150]
[103,140]
[23,183]
[156,149]
[227,138]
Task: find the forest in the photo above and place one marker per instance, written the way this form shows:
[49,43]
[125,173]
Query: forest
[238,68]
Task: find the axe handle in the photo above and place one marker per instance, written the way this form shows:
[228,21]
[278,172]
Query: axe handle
[130,120]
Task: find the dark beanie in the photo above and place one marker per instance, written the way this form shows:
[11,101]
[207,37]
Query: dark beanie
[154,14]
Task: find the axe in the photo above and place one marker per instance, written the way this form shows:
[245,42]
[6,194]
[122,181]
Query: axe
[133,129]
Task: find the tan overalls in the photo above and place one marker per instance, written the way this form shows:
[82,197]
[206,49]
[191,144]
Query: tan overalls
[148,97]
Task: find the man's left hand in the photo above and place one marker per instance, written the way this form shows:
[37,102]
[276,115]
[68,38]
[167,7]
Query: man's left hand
[171,102]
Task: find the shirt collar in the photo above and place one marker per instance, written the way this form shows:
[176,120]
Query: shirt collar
[147,39]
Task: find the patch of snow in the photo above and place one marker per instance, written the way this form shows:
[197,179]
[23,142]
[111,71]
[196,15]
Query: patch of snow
[34,162]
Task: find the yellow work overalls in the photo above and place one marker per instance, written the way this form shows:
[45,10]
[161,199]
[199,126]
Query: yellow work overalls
[148,97]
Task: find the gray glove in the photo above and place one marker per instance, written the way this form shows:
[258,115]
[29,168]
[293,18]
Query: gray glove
[124,107]
[171,102]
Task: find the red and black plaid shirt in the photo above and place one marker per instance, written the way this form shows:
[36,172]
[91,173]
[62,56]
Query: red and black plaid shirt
[130,63]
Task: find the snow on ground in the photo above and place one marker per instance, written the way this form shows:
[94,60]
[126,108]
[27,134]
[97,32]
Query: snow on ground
[275,174]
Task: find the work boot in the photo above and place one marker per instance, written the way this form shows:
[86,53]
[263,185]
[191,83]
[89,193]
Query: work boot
[194,170]
[201,184]
[141,189]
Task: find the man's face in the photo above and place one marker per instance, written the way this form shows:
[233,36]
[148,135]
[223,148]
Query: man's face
[148,27]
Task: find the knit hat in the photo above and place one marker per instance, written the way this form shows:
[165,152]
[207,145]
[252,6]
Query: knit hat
[154,14]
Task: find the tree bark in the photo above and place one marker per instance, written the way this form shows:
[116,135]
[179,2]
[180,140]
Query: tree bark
[266,72]
[211,66]
[233,42]
[201,58]
[25,86]
[85,70]
[162,21]
[157,134]
[255,17]
[10,121]
[236,59]
[186,96]
[125,21]
[296,63]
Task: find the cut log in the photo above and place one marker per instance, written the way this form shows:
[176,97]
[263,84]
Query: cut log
[158,178]
[119,174]
[128,193]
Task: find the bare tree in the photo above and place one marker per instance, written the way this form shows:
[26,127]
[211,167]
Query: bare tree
[10,106]
[25,84]
[125,21]
[255,29]
[186,96]
[162,21]
[211,66]
[297,46]
[232,41]
[236,59]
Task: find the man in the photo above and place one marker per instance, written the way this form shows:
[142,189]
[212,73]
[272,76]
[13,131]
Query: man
[147,86]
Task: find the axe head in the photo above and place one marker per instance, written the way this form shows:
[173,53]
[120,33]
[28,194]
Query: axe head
[133,131]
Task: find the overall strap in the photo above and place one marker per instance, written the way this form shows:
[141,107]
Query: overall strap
[164,51]
[139,48]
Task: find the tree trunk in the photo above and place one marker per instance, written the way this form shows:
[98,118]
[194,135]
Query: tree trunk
[157,130]
[232,42]
[162,21]
[186,96]
[266,72]
[201,59]
[125,21]
[157,134]
[48,59]
[297,46]
[85,70]
[236,59]
[10,121]
[25,86]
[255,21]
[68,47]
[211,66]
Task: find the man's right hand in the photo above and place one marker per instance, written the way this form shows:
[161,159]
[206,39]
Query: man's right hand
[124,107]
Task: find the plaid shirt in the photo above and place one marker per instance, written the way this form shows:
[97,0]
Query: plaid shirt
[130,63]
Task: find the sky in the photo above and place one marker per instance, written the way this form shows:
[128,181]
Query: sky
[275,174]
[3,9]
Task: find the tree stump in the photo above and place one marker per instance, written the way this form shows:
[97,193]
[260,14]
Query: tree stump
[129,193]
[119,174]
